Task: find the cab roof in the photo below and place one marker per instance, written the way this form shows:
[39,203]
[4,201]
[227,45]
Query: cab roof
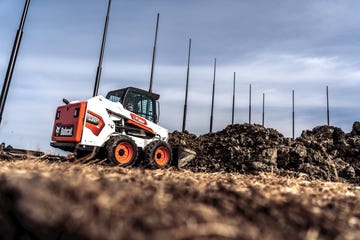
[138,90]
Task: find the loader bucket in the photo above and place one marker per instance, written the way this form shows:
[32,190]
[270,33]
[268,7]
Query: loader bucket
[182,156]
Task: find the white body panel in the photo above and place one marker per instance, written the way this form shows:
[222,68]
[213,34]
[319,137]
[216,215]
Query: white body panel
[114,111]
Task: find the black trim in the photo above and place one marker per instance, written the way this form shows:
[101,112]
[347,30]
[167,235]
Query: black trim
[64,146]
[138,90]
[71,147]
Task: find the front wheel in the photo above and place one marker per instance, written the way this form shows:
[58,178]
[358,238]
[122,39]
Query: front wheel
[122,151]
[159,154]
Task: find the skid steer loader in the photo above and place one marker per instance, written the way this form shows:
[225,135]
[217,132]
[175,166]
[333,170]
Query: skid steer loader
[122,125]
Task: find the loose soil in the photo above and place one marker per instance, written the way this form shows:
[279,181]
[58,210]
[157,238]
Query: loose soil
[244,182]
[63,200]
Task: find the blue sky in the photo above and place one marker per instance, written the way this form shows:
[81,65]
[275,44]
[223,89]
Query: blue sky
[275,45]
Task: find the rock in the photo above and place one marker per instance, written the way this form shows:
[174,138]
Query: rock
[355,129]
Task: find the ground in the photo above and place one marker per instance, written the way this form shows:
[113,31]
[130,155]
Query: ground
[42,199]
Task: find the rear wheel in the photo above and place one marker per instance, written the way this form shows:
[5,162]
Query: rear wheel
[122,151]
[159,154]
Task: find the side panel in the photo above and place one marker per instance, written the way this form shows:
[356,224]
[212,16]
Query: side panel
[69,123]
[101,115]
[98,124]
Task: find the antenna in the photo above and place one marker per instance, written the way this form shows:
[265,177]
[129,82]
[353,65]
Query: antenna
[99,68]
[12,60]
[233,102]
[154,53]
[263,110]
[293,114]
[187,87]
[212,99]
[327,106]
[250,104]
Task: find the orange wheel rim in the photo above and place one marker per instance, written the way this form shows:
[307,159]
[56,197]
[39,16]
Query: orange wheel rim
[161,156]
[124,152]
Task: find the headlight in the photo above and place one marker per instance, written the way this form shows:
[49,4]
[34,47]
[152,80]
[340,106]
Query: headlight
[92,119]
[94,122]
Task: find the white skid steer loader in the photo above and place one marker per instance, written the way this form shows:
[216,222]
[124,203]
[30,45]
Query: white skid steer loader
[123,125]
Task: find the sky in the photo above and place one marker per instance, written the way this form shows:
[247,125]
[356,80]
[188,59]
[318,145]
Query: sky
[276,46]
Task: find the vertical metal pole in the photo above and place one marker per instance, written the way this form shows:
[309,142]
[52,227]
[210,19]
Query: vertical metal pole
[250,104]
[293,114]
[212,99]
[187,87]
[99,68]
[154,53]
[263,110]
[12,60]
[327,106]
[233,101]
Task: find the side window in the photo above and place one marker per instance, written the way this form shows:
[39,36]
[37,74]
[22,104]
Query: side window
[141,105]
[115,96]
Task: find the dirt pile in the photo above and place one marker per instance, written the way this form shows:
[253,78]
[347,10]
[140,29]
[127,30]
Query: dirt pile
[325,152]
[331,152]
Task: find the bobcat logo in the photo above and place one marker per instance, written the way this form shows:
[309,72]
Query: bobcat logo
[138,119]
[64,131]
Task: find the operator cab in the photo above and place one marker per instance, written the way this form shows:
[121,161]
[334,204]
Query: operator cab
[136,100]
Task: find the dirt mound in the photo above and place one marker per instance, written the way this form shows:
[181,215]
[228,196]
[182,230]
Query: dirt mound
[240,148]
[328,150]
[62,200]
[325,152]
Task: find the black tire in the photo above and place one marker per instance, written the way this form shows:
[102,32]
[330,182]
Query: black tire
[122,151]
[159,154]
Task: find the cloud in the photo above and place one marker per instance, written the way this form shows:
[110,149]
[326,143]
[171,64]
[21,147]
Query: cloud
[265,43]
[273,74]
